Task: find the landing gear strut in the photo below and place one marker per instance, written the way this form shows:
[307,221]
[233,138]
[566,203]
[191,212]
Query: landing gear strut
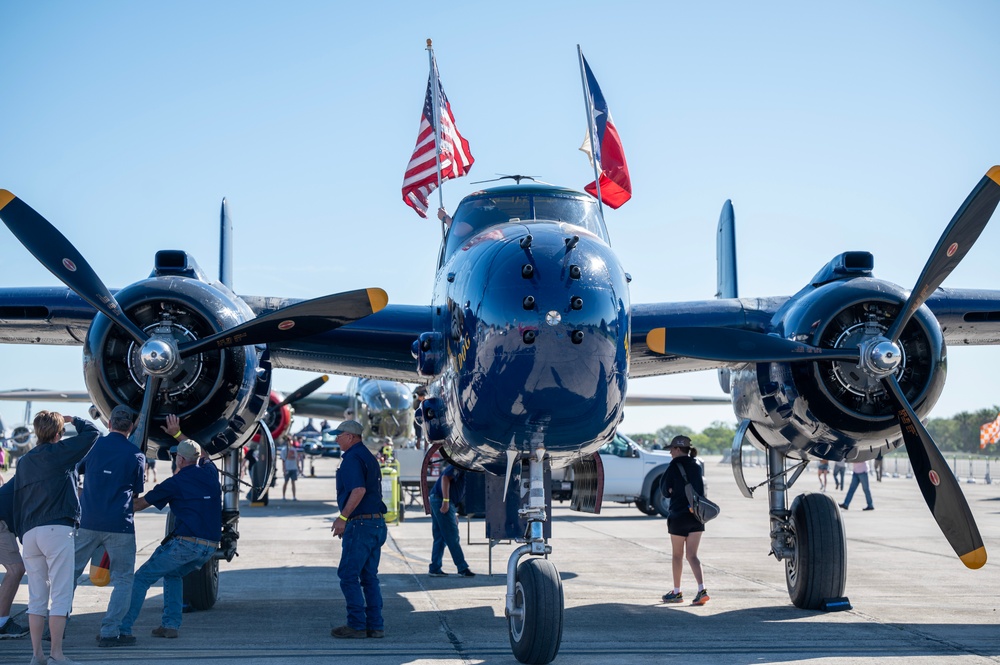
[809,538]
[534,606]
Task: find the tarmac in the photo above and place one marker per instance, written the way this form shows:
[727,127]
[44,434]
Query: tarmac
[913,601]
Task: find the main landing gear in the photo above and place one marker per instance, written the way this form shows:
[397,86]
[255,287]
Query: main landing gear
[809,538]
[534,607]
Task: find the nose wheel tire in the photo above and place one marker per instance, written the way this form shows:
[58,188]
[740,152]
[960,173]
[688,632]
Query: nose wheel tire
[535,630]
[818,568]
[201,587]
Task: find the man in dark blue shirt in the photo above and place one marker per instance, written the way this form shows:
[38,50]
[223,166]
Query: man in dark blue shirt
[448,490]
[113,473]
[195,498]
[362,526]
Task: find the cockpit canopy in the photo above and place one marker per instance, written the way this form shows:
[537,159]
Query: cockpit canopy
[522,203]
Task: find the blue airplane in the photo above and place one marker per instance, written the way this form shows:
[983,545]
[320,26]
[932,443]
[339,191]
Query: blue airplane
[528,347]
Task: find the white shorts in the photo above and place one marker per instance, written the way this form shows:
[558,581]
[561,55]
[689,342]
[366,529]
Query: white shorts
[9,554]
[49,559]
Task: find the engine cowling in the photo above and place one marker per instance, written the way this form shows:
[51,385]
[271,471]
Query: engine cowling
[828,408]
[218,394]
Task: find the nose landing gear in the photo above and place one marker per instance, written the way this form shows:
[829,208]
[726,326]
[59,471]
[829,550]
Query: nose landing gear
[534,607]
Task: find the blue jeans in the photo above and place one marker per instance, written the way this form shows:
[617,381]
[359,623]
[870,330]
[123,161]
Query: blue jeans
[121,554]
[445,532]
[171,562]
[358,572]
[859,479]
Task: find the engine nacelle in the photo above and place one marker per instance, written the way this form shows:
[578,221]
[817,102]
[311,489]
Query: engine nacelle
[219,394]
[831,408]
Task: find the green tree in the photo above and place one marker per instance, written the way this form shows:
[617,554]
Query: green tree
[668,432]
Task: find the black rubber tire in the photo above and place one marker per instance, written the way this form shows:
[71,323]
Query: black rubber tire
[657,500]
[818,568]
[535,636]
[644,507]
[201,587]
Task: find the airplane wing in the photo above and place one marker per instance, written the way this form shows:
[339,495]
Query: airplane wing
[326,405]
[37,395]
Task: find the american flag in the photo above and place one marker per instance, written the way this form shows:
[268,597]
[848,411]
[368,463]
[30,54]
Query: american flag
[421,177]
[989,433]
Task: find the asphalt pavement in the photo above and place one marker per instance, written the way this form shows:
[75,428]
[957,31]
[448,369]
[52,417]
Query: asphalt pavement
[913,600]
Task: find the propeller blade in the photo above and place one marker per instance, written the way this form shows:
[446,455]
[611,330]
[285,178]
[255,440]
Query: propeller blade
[307,389]
[58,254]
[140,433]
[938,484]
[956,241]
[303,319]
[736,345]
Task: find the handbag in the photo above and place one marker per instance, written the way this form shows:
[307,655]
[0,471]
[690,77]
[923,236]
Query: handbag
[702,509]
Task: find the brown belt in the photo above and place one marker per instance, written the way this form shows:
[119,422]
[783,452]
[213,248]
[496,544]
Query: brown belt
[370,516]
[198,541]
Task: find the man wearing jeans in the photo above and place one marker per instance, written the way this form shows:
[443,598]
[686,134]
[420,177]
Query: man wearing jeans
[449,489]
[113,476]
[860,477]
[195,499]
[361,524]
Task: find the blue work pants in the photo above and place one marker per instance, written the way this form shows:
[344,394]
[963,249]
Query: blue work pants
[358,572]
[171,561]
[445,532]
[859,479]
[121,555]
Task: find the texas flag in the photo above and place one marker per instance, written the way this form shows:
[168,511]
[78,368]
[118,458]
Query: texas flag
[616,187]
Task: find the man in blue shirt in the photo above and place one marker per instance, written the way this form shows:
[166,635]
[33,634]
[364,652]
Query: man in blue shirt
[113,473]
[195,498]
[362,526]
[449,489]
[10,559]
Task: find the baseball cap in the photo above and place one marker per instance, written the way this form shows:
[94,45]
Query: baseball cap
[122,412]
[349,427]
[189,450]
[680,441]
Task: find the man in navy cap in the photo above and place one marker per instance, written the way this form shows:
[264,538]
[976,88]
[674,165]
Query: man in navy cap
[113,477]
[361,525]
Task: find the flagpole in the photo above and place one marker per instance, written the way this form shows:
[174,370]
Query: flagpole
[589,107]
[436,112]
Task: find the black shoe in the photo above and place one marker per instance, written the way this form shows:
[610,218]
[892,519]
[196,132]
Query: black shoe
[120,641]
[375,633]
[466,573]
[346,632]
[844,506]
[869,508]
[437,573]
[12,629]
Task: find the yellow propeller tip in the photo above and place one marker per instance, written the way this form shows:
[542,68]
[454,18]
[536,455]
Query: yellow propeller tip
[994,174]
[325,378]
[378,299]
[975,559]
[5,198]
[656,340]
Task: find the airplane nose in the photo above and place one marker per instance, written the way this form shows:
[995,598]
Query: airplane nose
[551,337]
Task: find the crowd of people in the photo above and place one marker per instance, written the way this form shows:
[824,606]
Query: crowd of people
[63,528]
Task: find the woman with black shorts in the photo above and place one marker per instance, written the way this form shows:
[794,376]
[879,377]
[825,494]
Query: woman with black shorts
[684,528]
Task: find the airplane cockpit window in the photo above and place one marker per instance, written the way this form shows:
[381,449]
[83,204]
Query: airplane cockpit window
[477,214]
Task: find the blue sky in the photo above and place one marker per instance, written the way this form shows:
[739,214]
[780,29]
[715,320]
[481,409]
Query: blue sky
[833,127]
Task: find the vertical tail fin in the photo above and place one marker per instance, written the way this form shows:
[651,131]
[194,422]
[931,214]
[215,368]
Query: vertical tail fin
[225,246]
[725,253]
[725,257]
